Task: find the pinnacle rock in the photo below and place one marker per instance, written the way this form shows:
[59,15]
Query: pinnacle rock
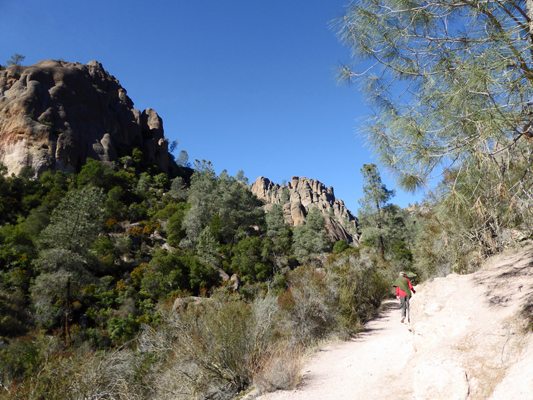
[302,194]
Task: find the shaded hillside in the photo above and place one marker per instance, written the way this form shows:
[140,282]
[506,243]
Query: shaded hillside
[55,114]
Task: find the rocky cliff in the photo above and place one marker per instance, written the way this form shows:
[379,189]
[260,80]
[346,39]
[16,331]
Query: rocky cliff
[300,195]
[55,114]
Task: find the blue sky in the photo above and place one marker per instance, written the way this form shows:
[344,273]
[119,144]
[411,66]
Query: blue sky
[245,84]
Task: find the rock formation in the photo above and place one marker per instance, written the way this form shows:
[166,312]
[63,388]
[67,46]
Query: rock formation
[302,194]
[472,333]
[55,114]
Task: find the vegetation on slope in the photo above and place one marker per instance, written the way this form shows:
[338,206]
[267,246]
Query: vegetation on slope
[94,266]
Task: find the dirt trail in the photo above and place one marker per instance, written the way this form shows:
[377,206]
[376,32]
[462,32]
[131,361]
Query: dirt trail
[470,339]
[368,367]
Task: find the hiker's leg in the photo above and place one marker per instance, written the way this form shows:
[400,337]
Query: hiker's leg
[408,310]
[403,305]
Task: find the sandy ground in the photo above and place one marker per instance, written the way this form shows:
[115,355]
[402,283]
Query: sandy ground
[368,367]
[468,340]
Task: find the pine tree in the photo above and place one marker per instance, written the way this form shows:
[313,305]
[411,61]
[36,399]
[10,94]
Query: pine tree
[310,239]
[371,215]
[450,82]
[65,249]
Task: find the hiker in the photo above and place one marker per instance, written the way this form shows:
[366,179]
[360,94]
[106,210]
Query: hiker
[403,293]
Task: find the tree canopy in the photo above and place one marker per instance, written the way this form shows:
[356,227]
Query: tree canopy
[371,214]
[450,82]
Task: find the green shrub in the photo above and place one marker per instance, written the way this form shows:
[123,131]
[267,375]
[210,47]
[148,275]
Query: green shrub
[309,306]
[248,261]
[123,329]
[165,273]
[83,374]
[20,358]
[359,289]
[340,246]
[201,275]
[213,348]
[14,318]
[174,229]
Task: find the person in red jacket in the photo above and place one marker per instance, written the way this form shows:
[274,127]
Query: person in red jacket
[403,293]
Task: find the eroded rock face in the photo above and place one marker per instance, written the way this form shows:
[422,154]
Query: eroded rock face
[471,333]
[55,114]
[302,194]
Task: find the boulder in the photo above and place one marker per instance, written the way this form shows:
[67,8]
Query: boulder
[236,281]
[182,303]
[440,379]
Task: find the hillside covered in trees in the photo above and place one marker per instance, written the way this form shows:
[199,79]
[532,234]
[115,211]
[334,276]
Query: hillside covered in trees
[105,259]
[127,274]
[185,284]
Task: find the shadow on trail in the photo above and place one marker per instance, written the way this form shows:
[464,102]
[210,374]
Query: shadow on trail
[384,314]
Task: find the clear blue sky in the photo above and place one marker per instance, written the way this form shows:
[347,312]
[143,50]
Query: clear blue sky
[246,84]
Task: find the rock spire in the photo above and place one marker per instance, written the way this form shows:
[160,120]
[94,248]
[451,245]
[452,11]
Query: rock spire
[300,195]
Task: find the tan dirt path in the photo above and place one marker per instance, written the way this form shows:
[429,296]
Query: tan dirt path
[368,367]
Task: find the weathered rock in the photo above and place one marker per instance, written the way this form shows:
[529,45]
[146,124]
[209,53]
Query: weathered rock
[222,274]
[470,333]
[298,213]
[182,303]
[157,238]
[168,247]
[441,379]
[236,281]
[55,115]
[302,194]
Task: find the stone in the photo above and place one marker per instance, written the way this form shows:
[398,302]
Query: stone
[236,281]
[442,380]
[182,303]
[302,194]
[55,114]
[298,213]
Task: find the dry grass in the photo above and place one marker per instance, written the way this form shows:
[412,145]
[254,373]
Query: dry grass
[280,370]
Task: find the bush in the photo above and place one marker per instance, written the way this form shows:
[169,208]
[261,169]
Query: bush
[84,374]
[340,246]
[174,229]
[212,348]
[164,274]
[280,369]
[336,300]
[359,289]
[248,261]
[20,358]
[309,306]
[215,347]
[14,318]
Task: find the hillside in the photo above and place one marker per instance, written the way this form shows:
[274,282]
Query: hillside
[54,115]
[470,338]
[105,240]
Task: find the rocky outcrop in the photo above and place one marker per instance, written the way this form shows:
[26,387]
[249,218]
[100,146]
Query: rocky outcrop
[302,194]
[55,115]
[472,333]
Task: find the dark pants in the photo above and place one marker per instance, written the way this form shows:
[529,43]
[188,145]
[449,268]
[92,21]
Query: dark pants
[404,304]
